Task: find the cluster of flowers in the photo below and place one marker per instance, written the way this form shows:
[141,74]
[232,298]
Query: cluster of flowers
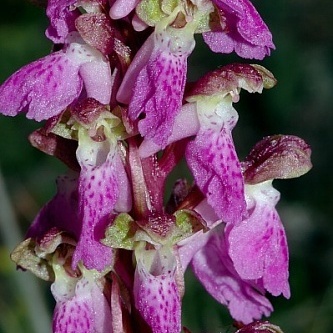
[119,113]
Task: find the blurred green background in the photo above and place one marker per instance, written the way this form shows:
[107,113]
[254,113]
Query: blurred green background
[301,104]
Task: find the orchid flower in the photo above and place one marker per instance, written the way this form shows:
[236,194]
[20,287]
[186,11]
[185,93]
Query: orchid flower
[211,156]
[47,86]
[262,233]
[158,279]
[213,267]
[154,83]
[81,304]
[84,205]
[103,189]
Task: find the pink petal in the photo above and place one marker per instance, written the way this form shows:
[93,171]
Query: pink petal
[216,169]
[73,316]
[158,95]
[157,297]
[97,80]
[98,194]
[186,124]
[158,85]
[122,8]
[246,33]
[86,312]
[62,19]
[61,212]
[258,246]
[44,88]
[214,269]
[140,60]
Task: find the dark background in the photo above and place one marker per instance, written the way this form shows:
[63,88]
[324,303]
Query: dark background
[300,104]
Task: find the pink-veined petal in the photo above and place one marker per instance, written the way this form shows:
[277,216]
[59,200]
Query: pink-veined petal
[214,269]
[246,33]
[121,8]
[87,311]
[62,19]
[216,169]
[156,293]
[154,86]
[43,88]
[98,194]
[61,212]
[258,245]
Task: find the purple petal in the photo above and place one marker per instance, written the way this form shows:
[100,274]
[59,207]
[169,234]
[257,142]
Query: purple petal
[60,213]
[246,33]
[216,170]
[62,19]
[158,86]
[98,194]
[98,188]
[185,125]
[44,88]
[97,80]
[214,269]
[158,95]
[156,295]
[140,60]
[258,246]
[86,312]
[122,8]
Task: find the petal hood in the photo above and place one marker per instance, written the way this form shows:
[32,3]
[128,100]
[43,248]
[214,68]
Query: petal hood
[243,30]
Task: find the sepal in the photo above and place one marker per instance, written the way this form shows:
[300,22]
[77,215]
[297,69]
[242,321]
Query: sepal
[260,327]
[277,157]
